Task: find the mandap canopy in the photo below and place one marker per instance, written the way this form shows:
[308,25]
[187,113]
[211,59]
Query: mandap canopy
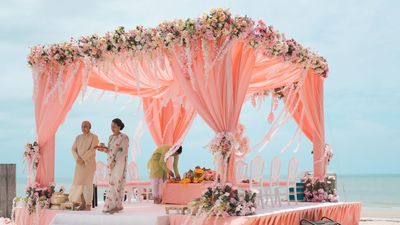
[207,66]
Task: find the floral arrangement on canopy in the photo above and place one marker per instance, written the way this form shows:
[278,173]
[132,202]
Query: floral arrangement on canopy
[31,159]
[224,200]
[226,143]
[320,190]
[217,24]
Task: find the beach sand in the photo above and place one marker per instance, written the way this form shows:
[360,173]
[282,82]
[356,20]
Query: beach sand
[380,216]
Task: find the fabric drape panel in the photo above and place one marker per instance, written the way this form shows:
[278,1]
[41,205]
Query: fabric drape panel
[56,90]
[218,96]
[310,117]
[146,77]
[270,73]
[167,123]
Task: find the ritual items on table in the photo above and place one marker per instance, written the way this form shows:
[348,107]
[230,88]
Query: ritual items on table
[198,175]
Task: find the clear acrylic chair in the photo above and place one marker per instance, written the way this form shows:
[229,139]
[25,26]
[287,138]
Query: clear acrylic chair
[134,186]
[273,193]
[257,165]
[101,178]
[240,170]
[291,179]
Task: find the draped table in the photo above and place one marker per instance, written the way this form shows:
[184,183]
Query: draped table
[182,194]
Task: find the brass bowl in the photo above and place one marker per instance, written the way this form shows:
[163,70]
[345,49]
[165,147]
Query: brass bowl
[58,198]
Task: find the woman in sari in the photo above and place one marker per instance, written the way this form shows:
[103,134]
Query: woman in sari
[116,164]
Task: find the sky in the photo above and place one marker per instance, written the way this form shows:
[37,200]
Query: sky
[359,38]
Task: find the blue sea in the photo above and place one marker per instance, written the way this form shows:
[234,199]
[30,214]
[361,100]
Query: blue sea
[374,191]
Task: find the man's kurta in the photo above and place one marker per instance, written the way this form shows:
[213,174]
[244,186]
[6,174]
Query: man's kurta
[84,147]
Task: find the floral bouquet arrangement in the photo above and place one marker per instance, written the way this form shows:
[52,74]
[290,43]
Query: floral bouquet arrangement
[31,155]
[223,200]
[320,190]
[38,197]
[222,144]
[198,175]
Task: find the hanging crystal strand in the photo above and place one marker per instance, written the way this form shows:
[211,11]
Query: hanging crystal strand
[85,78]
[110,74]
[300,133]
[36,70]
[155,72]
[274,127]
[253,100]
[219,53]
[46,93]
[204,48]
[100,95]
[271,113]
[179,58]
[189,65]
[59,84]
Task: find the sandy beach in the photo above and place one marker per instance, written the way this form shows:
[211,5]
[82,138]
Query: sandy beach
[380,216]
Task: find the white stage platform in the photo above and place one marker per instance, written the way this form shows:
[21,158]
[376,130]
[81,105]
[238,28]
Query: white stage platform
[150,214]
[134,213]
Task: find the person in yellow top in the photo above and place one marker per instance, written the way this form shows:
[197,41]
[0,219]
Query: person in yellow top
[159,170]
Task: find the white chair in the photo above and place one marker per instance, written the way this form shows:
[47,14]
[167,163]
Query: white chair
[272,189]
[256,177]
[291,179]
[101,178]
[135,187]
[240,170]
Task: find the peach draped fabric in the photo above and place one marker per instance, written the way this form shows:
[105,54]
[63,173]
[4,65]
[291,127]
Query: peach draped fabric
[144,77]
[167,123]
[214,80]
[270,73]
[309,116]
[306,106]
[344,213]
[55,92]
[218,94]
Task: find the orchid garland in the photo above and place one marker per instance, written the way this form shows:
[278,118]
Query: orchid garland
[215,26]
[224,200]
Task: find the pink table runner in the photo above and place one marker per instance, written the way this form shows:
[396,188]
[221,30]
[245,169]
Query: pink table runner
[182,194]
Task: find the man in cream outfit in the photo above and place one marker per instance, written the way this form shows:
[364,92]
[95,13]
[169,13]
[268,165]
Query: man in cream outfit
[84,151]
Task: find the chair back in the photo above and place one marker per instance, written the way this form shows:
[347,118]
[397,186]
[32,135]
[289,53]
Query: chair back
[257,169]
[292,170]
[133,173]
[101,173]
[275,171]
[240,170]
